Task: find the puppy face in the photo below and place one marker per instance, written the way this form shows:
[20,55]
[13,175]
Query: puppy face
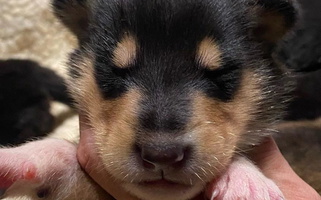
[174,89]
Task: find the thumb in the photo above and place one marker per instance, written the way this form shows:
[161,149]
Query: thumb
[270,160]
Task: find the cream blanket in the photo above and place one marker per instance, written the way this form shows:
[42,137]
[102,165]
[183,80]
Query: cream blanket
[29,30]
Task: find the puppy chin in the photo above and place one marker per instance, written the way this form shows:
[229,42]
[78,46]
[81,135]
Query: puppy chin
[159,190]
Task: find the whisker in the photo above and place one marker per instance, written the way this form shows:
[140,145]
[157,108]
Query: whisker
[198,176]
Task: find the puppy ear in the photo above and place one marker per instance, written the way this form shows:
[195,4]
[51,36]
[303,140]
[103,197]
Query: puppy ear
[274,19]
[74,14]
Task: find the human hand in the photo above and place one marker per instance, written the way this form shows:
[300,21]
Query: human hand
[272,163]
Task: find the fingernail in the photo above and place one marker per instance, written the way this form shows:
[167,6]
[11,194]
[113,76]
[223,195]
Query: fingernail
[214,194]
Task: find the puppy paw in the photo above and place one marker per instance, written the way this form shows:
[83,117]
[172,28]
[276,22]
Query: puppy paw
[35,168]
[244,181]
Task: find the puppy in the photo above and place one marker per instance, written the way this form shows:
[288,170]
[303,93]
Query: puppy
[301,52]
[177,91]
[26,90]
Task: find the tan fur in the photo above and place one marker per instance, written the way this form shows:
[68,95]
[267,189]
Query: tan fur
[125,51]
[208,54]
[247,99]
[222,125]
[214,124]
[113,121]
[116,135]
[84,89]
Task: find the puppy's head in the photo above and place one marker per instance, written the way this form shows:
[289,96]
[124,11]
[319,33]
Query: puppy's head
[174,89]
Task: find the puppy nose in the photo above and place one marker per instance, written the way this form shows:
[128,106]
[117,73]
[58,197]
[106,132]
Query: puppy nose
[154,156]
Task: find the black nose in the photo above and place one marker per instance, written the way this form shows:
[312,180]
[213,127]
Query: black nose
[168,156]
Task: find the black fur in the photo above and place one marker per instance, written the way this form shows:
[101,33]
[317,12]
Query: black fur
[26,90]
[166,74]
[302,51]
[161,37]
[306,104]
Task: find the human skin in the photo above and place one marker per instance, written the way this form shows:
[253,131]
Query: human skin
[267,157]
[270,160]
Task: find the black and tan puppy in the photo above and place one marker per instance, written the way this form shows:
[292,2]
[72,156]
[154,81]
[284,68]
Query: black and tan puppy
[176,90]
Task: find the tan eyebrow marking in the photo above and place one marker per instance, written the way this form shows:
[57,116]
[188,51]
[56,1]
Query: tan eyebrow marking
[125,52]
[208,54]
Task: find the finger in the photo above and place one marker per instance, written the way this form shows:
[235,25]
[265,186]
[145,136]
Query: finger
[273,164]
[269,158]
[91,163]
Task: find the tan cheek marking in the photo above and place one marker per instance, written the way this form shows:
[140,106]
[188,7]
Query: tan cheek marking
[113,121]
[208,54]
[125,51]
[102,114]
[215,136]
[246,102]
[84,88]
[116,132]
[219,126]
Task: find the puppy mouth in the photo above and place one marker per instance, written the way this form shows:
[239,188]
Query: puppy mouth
[164,183]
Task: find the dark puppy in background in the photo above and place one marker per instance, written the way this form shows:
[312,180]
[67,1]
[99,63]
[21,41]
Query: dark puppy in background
[300,136]
[302,54]
[26,90]
[177,91]
[302,51]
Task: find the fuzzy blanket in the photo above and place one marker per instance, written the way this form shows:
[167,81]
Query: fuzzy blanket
[31,31]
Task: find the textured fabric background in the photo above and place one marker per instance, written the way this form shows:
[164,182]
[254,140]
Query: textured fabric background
[29,30]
